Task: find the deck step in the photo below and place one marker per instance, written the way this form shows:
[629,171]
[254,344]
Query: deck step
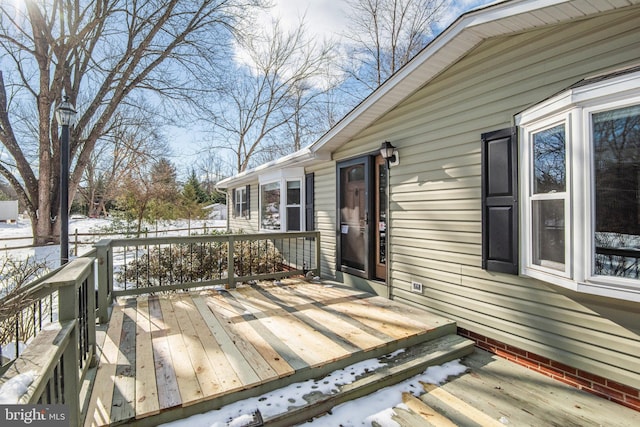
[402,366]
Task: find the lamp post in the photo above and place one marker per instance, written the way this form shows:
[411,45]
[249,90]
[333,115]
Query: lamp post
[65,113]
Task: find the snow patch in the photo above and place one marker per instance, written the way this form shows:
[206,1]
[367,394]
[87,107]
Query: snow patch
[16,387]
[376,407]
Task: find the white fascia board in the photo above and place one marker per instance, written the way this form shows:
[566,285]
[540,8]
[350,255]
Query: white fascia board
[278,174]
[593,92]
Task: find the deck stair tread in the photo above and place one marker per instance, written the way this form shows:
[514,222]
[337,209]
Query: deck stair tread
[166,357]
[495,392]
[397,368]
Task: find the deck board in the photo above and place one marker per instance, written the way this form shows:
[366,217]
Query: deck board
[240,365]
[190,391]
[285,352]
[125,381]
[205,373]
[166,381]
[99,410]
[243,328]
[389,322]
[309,344]
[324,320]
[146,392]
[227,377]
[165,354]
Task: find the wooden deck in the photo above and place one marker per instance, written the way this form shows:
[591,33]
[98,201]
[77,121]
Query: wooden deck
[167,357]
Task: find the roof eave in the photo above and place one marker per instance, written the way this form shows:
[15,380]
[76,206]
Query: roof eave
[469,30]
[302,158]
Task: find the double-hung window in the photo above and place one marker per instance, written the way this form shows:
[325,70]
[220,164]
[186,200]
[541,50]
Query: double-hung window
[241,202]
[281,195]
[579,158]
[547,221]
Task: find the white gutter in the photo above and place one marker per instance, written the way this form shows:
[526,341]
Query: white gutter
[303,157]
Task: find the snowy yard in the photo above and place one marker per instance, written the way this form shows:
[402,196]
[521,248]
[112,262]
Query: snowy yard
[21,231]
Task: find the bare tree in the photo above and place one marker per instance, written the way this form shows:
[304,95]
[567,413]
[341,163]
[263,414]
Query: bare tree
[260,99]
[385,34]
[102,54]
[150,192]
[211,168]
[132,142]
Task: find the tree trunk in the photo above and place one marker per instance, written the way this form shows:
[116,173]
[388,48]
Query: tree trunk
[45,231]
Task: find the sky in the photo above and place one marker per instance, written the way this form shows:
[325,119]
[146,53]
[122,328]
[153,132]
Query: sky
[324,20]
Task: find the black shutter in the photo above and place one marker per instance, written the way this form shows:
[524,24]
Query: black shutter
[247,198]
[234,209]
[500,201]
[308,201]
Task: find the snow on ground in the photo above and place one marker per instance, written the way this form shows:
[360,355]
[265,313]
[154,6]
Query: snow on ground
[377,406]
[21,231]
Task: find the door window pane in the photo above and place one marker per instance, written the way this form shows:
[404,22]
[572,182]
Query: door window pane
[616,146]
[548,233]
[353,198]
[549,160]
[270,212]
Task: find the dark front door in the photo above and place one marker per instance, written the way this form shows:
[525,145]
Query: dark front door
[362,224]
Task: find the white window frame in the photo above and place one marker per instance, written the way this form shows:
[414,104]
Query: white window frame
[574,108]
[288,205]
[281,177]
[240,201]
[529,267]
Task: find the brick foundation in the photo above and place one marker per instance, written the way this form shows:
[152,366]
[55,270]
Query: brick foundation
[602,387]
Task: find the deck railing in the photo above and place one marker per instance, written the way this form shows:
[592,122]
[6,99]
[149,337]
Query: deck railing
[60,352]
[148,265]
[61,307]
[23,314]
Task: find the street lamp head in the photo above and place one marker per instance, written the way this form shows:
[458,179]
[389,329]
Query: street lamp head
[65,113]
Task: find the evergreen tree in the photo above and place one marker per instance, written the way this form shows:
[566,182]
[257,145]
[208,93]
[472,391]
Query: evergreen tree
[200,194]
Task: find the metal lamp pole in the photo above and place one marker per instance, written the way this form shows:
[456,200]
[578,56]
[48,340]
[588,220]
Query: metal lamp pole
[65,114]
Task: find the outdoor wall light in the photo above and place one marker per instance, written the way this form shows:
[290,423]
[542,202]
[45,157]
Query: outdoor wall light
[390,154]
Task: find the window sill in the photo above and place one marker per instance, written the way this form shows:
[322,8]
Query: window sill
[622,292]
[609,290]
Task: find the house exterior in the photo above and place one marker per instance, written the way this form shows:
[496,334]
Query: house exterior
[512,205]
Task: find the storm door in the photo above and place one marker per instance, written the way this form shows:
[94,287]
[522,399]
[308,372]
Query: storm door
[361,215]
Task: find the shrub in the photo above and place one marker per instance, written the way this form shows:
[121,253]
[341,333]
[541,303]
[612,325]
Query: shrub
[198,262]
[20,314]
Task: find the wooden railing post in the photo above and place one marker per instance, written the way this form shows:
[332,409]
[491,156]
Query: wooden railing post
[231,275]
[91,302]
[68,311]
[104,279]
[318,270]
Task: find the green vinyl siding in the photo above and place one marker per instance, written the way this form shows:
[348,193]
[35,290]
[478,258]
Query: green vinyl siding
[247,225]
[435,222]
[325,215]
